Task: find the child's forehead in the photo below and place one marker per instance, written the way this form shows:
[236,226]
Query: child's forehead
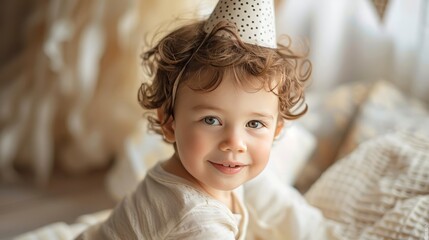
[208,79]
[228,97]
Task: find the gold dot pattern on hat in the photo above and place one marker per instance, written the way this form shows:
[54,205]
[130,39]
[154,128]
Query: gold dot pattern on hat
[254,20]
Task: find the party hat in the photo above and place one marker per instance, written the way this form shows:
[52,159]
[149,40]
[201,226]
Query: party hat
[254,20]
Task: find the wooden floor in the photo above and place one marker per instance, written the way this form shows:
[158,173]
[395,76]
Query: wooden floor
[24,207]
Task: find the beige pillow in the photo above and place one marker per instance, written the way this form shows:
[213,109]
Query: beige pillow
[328,119]
[385,110]
[379,191]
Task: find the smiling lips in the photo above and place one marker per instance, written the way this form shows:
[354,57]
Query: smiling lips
[228,168]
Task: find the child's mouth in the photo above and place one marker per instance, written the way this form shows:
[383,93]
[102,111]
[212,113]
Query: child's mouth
[228,168]
[230,165]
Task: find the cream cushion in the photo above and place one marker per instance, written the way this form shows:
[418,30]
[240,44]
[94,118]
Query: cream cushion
[385,110]
[380,190]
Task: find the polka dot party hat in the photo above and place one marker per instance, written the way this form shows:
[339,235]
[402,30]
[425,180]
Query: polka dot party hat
[254,20]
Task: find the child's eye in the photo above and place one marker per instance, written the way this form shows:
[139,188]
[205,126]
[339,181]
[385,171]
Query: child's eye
[255,124]
[211,121]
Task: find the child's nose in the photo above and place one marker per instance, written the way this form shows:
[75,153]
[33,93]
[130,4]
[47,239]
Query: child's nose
[233,142]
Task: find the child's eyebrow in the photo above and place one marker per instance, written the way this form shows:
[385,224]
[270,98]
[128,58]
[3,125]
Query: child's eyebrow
[263,115]
[206,107]
[214,108]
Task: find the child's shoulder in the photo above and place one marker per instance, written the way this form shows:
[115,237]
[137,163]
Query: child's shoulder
[160,188]
[162,203]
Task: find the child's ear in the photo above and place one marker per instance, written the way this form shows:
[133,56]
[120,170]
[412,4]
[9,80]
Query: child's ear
[168,129]
[279,127]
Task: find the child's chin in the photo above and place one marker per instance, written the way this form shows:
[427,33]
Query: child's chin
[229,186]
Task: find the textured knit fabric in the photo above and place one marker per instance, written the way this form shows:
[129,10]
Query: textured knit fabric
[380,191]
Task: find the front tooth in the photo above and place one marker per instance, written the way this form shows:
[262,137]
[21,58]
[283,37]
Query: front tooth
[225,165]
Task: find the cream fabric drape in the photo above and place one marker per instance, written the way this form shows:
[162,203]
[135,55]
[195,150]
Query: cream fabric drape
[407,24]
[349,42]
[69,96]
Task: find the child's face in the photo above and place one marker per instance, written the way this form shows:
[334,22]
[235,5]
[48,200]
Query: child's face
[228,126]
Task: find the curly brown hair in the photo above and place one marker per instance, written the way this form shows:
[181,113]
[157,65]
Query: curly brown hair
[182,55]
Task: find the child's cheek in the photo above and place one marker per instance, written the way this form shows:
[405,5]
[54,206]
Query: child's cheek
[261,150]
[195,143]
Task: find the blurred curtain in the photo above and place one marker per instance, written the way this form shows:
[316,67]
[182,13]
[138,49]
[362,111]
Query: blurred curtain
[407,24]
[68,94]
[350,42]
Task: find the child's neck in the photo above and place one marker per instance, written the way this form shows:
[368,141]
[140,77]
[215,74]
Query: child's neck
[174,166]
